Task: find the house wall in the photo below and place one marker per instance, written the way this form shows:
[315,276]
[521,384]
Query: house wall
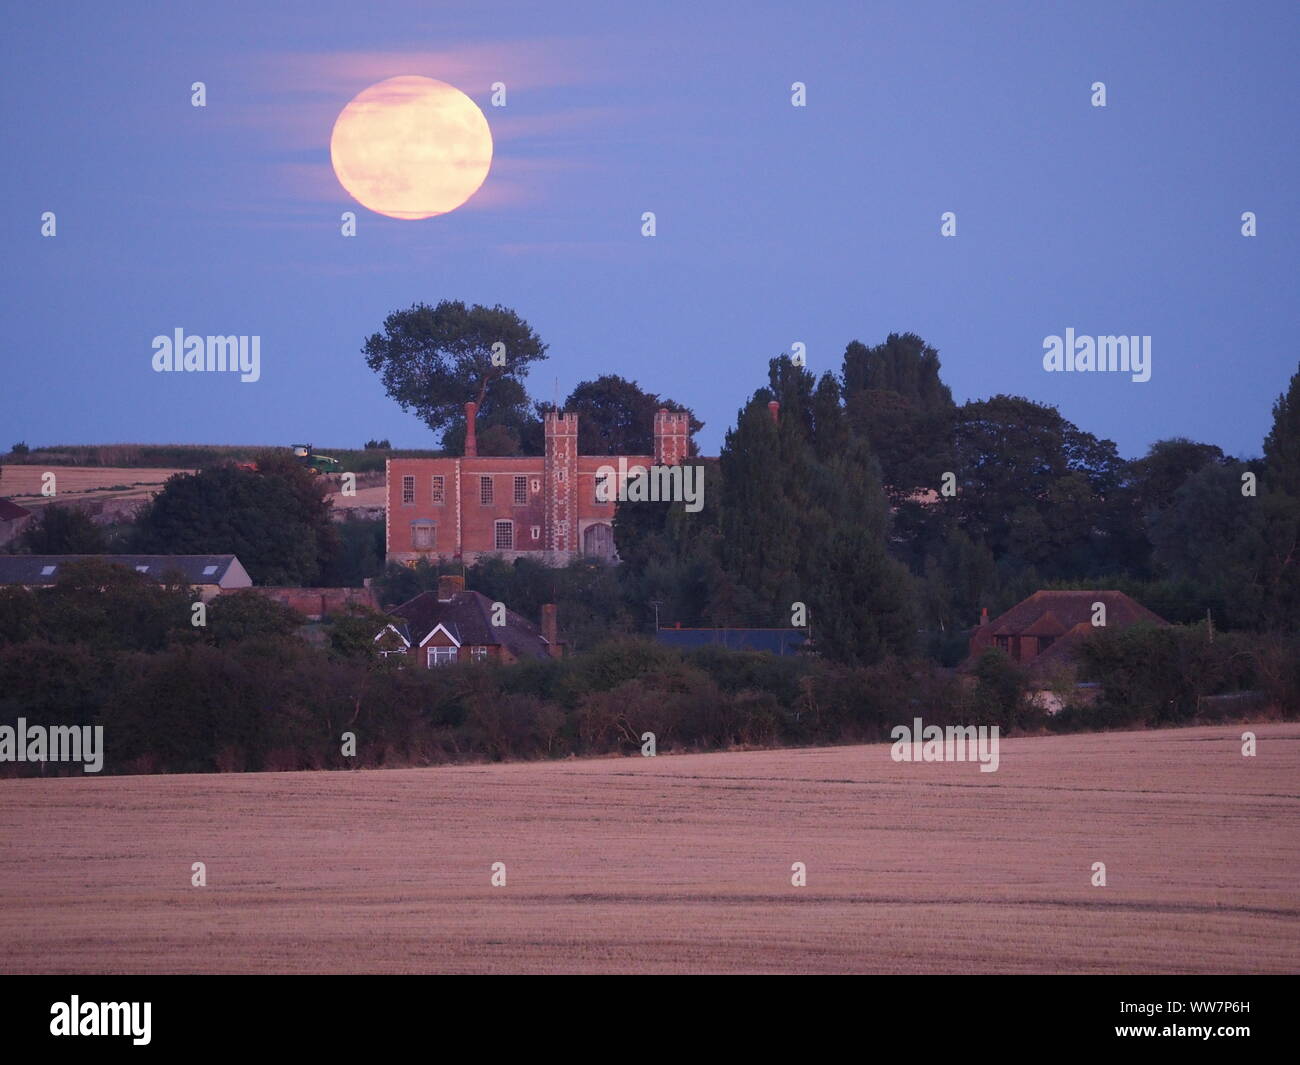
[560,507]
[463,654]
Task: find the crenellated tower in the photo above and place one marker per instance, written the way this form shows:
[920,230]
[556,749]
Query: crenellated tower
[672,437]
[560,476]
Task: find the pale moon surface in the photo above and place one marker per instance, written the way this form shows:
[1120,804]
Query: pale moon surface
[411,147]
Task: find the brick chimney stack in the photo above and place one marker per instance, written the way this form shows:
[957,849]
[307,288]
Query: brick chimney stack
[471,430]
[984,615]
[448,586]
[550,630]
[774,408]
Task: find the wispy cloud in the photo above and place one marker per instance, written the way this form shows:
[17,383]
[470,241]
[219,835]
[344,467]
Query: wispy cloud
[292,99]
[472,68]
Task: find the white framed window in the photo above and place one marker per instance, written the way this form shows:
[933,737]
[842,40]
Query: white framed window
[441,656]
[485,491]
[408,489]
[537,532]
[521,490]
[424,535]
[478,654]
[504,538]
[437,489]
[536,485]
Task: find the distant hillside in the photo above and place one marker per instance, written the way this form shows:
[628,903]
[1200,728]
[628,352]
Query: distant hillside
[192,456]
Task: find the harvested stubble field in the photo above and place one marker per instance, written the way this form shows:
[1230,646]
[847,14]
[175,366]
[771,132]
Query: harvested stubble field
[84,483]
[676,864]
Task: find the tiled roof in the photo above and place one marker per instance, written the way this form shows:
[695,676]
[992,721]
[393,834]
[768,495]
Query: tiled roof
[45,569]
[1065,615]
[1046,625]
[467,616]
[1068,609]
[1063,649]
[9,510]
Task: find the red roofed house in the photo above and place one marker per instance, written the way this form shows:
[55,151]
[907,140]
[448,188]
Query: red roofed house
[1043,633]
[453,625]
[14,518]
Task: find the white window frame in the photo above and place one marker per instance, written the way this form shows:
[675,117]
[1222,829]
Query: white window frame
[432,545]
[436,657]
[408,489]
[521,491]
[438,489]
[486,490]
[498,526]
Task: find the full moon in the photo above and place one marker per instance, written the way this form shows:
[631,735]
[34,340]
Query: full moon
[411,147]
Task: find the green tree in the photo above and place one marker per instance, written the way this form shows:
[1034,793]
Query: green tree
[19,614]
[999,694]
[805,520]
[1157,476]
[60,530]
[1282,445]
[352,636]
[896,400]
[508,426]
[616,416]
[1246,547]
[277,520]
[904,364]
[360,554]
[244,615]
[99,602]
[760,519]
[1036,488]
[433,360]
[55,682]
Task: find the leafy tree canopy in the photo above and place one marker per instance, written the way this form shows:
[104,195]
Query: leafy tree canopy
[1282,445]
[616,416]
[60,530]
[277,520]
[433,360]
[1166,467]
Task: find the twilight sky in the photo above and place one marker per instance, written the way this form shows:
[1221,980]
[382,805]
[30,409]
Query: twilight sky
[776,224]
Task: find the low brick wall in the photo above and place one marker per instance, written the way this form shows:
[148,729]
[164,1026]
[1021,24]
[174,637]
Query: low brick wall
[315,603]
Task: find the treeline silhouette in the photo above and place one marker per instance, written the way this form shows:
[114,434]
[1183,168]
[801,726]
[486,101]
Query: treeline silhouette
[105,646]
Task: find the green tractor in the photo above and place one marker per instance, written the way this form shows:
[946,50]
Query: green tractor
[316,463]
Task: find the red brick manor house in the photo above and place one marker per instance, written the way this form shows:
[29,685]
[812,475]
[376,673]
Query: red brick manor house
[537,507]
